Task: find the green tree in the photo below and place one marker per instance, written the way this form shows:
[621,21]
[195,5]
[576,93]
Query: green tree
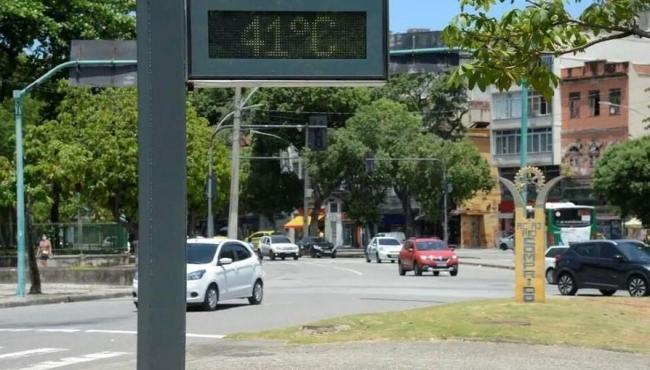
[46,27]
[388,129]
[509,49]
[393,133]
[441,105]
[622,176]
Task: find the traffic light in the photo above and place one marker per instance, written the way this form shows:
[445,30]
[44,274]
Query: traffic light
[317,136]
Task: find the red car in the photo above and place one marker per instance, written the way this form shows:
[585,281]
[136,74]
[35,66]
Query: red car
[427,254]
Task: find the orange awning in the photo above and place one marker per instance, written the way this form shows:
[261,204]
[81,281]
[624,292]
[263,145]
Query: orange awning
[296,222]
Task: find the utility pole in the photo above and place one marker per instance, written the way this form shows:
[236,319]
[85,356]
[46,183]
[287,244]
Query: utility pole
[233,215]
[305,176]
[445,190]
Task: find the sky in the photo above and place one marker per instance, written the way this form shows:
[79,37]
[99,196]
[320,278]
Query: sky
[436,14]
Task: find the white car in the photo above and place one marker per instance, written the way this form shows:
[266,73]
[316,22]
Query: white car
[506,242]
[383,248]
[549,260]
[219,270]
[278,246]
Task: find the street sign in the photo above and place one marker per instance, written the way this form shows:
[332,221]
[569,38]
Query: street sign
[104,76]
[287,42]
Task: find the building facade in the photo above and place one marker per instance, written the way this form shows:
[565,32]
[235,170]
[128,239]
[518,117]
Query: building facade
[595,100]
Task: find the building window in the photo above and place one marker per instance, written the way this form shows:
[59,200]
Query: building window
[538,106]
[574,104]
[334,207]
[594,103]
[507,142]
[615,100]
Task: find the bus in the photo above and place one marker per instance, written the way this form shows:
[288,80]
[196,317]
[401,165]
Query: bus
[568,223]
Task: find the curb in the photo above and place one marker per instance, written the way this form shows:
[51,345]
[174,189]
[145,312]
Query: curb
[64,299]
[487,265]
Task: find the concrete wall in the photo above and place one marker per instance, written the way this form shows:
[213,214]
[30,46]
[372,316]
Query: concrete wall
[104,276]
[99,260]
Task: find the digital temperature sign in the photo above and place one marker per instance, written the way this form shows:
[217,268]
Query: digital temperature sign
[288,40]
[287,35]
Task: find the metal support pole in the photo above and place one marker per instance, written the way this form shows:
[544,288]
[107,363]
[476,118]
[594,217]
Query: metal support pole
[305,177]
[162,178]
[233,215]
[20,195]
[210,195]
[523,150]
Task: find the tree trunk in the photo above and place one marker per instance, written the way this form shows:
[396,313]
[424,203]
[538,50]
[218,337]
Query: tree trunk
[55,214]
[34,273]
[315,211]
[405,199]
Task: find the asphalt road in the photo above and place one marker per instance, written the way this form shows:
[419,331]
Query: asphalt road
[98,333]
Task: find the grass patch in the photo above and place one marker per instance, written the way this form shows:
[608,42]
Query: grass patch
[614,323]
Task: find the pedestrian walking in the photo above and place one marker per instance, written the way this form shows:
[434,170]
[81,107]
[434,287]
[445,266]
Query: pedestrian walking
[44,250]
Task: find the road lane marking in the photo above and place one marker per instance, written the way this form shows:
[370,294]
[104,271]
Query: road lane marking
[210,336]
[349,270]
[58,330]
[100,331]
[31,352]
[68,361]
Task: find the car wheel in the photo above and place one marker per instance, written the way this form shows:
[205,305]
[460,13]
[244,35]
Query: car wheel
[367,258]
[258,293]
[549,276]
[271,255]
[567,284]
[284,257]
[211,298]
[135,304]
[637,286]
[454,272]
[334,255]
[436,273]
[400,269]
[416,269]
[377,257]
[503,246]
[296,256]
[392,261]
[607,292]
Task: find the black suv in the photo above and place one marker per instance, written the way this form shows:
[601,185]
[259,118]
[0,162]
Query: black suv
[607,265]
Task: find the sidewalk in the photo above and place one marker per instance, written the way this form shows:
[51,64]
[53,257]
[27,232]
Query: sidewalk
[60,293]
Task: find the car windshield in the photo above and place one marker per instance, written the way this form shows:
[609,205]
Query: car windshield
[431,245]
[198,254]
[636,251]
[280,239]
[389,242]
[552,252]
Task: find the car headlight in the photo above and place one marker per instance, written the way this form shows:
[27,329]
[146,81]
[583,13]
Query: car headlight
[196,275]
[317,247]
[423,258]
[454,257]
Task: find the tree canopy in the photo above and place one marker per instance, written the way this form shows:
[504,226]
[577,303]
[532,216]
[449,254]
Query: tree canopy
[622,175]
[509,49]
